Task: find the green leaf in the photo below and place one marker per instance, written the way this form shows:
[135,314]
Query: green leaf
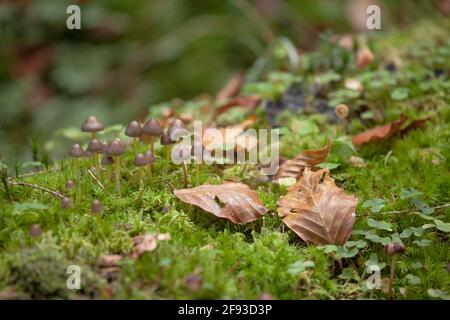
[22,207]
[328,165]
[412,279]
[300,266]
[443,226]
[422,243]
[382,225]
[406,233]
[409,193]
[400,94]
[304,127]
[375,204]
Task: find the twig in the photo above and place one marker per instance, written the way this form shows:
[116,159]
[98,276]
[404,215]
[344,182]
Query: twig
[99,183]
[404,211]
[35,186]
[32,174]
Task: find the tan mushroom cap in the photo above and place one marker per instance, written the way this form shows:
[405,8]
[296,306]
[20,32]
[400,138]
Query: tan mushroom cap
[107,160]
[91,124]
[165,140]
[96,206]
[140,160]
[152,128]
[96,146]
[133,130]
[76,151]
[115,149]
[149,157]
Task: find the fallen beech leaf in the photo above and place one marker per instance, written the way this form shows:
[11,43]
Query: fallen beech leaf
[144,243]
[379,133]
[306,159]
[248,102]
[420,123]
[241,204]
[232,87]
[109,261]
[318,212]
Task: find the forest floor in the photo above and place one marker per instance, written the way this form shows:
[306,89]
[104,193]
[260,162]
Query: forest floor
[401,180]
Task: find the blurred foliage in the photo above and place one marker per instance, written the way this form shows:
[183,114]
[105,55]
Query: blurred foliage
[132,54]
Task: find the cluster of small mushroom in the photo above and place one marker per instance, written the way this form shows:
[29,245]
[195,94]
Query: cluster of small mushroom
[112,152]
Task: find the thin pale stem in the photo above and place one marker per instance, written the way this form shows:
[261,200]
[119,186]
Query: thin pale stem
[117,173]
[185,174]
[391,278]
[197,174]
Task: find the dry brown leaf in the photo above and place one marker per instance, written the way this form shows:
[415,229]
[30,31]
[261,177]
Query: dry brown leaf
[240,203]
[109,261]
[248,102]
[306,159]
[379,133]
[147,243]
[317,210]
[232,87]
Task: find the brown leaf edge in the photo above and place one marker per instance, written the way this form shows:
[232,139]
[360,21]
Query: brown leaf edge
[296,209]
[241,207]
[307,158]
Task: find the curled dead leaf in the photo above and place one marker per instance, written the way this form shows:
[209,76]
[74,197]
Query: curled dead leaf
[232,87]
[147,243]
[306,159]
[380,132]
[317,210]
[240,203]
[248,102]
[109,261]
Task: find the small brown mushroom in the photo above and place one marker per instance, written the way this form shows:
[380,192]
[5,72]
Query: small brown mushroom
[92,125]
[140,162]
[172,130]
[107,162]
[96,206]
[134,131]
[96,147]
[152,129]
[150,158]
[76,153]
[66,203]
[35,230]
[70,185]
[393,249]
[115,150]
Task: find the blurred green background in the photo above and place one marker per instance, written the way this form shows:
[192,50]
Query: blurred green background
[135,53]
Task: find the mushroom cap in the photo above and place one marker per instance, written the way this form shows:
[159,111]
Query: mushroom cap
[165,140]
[76,151]
[107,160]
[133,130]
[393,248]
[140,160]
[115,148]
[91,124]
[66,203]
[70,185]
[149,157]
[96,206]
[35,230]
[176,125]
[341,111]
[152,128]
[96,146]
[88,154]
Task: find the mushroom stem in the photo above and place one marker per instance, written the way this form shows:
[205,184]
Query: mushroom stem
[93,135]
[197,174]
[152,144]
[185,174]
[140,174]
[97,164]
[76,163]
[117,173]
[168,157]
[150,172]
[391,278]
